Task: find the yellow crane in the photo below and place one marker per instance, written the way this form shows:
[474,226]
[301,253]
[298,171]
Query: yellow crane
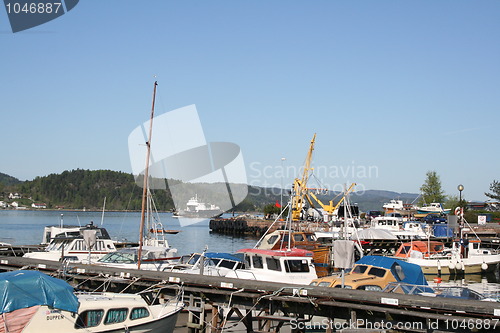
[330,209]
[300,185]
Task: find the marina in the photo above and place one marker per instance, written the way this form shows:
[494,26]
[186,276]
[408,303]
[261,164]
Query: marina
[215,303]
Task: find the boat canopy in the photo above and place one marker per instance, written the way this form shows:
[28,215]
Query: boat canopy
[223,255]
[403,271]
[24,289]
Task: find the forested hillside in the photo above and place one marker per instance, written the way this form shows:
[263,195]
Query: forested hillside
[84,188]
[78,189]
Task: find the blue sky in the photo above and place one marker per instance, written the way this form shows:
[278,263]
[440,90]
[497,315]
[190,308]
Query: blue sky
[393,89]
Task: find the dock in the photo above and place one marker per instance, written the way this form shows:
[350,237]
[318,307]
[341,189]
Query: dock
[269,306]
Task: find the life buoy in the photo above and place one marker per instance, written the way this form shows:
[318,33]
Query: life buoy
[459,211]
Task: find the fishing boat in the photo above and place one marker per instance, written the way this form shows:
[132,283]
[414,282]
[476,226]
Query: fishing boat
[289,266]
[34,302]
[307,240]
[76,244]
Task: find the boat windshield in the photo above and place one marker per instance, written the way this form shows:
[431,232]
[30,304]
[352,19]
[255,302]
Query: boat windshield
[359,269]
[120,257]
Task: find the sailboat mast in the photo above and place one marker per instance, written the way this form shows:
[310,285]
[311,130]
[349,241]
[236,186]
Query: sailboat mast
[146,178]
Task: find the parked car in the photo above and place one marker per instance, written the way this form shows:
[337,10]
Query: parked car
[435,218]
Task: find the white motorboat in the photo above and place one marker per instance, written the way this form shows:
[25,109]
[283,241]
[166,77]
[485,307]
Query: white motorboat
[46,304]
[207,263]
[434,207]
[289,266]
[76,244]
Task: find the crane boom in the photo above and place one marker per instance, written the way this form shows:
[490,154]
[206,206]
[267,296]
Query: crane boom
[299,185]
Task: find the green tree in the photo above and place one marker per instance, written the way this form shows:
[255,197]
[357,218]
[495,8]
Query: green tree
[453,202]
[431,189]
[495,188]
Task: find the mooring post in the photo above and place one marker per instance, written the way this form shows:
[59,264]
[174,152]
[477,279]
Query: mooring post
[196,317]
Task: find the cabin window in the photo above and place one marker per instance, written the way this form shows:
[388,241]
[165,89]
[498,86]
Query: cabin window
[377,271]
[273,264]
[248,263]
[296,266]
[116,316]
[227,264]
[138,313]
[298,237]
[257,262]
[324,284]
[272,239]
[438,247]
[398,272]
[359,269]
[89,318]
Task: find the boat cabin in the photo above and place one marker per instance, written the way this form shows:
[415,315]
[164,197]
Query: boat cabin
[426,248]
[294,266]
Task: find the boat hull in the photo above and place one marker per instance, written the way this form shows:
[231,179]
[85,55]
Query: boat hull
[472,265]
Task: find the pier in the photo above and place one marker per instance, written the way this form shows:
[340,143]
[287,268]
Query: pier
[269,306]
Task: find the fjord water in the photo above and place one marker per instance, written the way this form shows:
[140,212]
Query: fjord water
[25,227]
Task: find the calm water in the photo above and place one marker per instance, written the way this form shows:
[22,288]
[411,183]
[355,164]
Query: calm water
[25,227]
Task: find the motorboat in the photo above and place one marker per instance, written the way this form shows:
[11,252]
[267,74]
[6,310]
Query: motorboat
[289,266]
[35,302]
[374,273]
[88,243]
[434,207]
[207,263]
[464,257]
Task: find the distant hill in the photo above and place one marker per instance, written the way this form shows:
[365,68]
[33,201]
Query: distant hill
[8,180]
[375,199]
[78,189]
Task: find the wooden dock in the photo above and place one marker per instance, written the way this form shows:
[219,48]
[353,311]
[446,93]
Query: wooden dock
[269,306]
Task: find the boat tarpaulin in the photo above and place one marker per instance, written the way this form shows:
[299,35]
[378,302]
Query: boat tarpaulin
[24,289]
[343,253]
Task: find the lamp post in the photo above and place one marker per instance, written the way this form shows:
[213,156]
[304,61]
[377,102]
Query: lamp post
[460,188]
[281,195]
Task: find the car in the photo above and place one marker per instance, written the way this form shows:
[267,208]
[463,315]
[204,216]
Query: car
[434,218]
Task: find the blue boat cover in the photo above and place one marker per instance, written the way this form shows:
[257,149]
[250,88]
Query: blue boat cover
[442,230]
[223,255]
[412,273]
[23,289]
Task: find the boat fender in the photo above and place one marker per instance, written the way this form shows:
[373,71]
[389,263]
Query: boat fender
[461,266]
[484,266]
[451,266]
[439,266]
